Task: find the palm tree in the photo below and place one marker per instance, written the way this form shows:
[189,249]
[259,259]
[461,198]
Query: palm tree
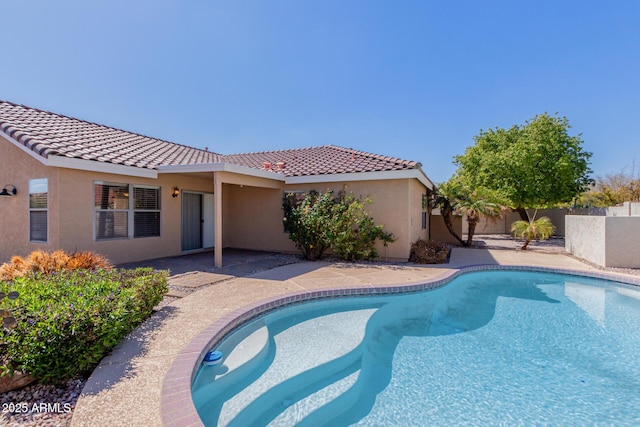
[476,207]
[445,198]
[541,228]
[452,197]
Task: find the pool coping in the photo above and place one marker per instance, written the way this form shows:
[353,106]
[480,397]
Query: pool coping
[176,405]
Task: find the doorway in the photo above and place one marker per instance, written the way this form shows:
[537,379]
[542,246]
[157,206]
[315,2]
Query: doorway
[197,221]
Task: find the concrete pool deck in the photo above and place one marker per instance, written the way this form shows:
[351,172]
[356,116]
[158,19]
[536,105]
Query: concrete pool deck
[126,388]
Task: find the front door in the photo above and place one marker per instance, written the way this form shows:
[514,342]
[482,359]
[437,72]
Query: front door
[192,220]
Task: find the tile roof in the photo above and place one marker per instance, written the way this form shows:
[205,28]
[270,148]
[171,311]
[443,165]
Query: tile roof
[51,134]
[327,159]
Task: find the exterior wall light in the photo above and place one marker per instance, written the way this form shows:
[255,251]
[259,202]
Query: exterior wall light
[175,192]
[9,192]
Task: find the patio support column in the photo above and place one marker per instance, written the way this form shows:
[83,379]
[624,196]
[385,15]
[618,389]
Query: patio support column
[217,220]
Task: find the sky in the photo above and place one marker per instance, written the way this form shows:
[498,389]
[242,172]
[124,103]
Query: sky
[413,79]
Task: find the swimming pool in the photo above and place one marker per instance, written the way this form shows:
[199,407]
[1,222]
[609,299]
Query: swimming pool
[489,348]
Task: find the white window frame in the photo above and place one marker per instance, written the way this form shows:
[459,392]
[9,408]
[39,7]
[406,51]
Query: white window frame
[131,211]
[46,210]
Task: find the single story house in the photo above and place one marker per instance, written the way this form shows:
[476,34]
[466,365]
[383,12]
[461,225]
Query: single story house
[74,185]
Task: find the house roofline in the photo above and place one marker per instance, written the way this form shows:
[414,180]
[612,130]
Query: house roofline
[82,164]
[105,167]
[363,176]
[416,173]
[221,167]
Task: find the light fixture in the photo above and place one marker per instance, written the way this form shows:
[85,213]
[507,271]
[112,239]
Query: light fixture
[175,192]
[6,192]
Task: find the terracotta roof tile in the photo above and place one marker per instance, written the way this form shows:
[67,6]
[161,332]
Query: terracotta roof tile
[327,159]
[50,134]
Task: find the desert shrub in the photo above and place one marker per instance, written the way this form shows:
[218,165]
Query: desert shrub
[49,262]
[307,221]
[67,321]
[429,252]
[317,222]
[87,261]
[353,232]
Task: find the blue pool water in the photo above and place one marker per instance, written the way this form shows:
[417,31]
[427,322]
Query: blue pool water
[489,348]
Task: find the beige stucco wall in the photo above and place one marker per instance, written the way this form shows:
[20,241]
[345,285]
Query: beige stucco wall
[439,231]
[252,216]
[76,224]
[503,226]
[70,219]
[17,168]
[252,212]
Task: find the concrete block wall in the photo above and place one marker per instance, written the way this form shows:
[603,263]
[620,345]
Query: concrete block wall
[503,226]
[627,209]
[608,241]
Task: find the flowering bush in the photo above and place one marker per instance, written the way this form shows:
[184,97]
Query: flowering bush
[67,321]
[317,222]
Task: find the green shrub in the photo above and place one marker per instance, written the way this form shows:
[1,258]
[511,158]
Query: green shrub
[68,321]
[317,222]
[307,221]
[353,232]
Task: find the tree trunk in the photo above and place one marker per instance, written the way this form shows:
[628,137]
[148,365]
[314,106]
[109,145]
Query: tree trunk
[526,243]
[472,230]
[523,214]
[446,216]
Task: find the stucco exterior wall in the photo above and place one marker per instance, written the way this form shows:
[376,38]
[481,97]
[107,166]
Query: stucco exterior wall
[416,192]
[253,216]
[439,231]
[604,240]
[252,219]
[76,223]
[391,207]
[17,169]
[251,210]
[71,214]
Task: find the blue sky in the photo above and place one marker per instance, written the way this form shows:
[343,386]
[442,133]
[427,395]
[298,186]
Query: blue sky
[409,79]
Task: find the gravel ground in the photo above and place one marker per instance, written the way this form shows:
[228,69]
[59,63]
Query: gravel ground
[552,245]
[40,405]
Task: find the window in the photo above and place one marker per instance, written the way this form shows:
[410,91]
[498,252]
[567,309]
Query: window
[146,215]
[425,209]
[38,210]
[117,215]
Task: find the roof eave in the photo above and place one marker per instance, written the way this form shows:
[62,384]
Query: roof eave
[82,164]
[221,167]
[416,173]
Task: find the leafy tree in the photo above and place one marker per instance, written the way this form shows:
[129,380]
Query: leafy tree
[534,165]
[541,228]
